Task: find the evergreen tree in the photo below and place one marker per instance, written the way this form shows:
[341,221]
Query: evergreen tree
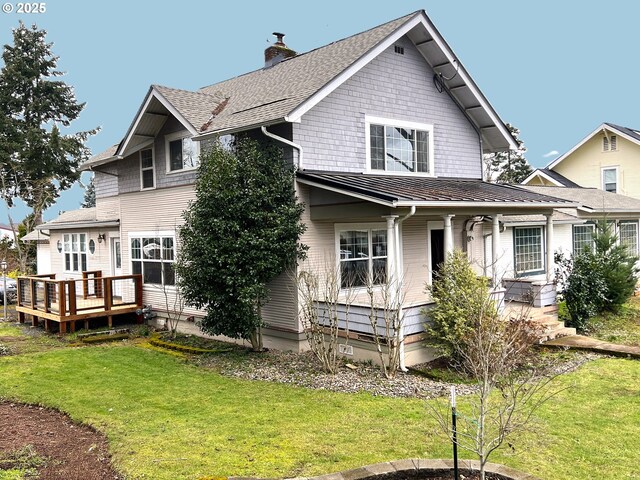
[240,233]
[89,194]
[37,159]
[508,167]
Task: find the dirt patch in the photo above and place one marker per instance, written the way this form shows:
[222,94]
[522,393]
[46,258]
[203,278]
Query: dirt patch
[71,451]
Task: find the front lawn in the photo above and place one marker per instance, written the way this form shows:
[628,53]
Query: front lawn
[167,419]
[622,327]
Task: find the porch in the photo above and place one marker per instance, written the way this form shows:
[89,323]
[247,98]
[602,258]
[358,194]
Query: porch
[68,301]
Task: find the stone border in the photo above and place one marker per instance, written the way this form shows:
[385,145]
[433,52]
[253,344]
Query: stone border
[414,464]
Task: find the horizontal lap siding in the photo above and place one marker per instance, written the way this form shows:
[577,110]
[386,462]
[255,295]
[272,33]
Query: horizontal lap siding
[392,86]
[414,255]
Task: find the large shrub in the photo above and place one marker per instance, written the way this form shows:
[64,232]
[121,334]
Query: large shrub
[461,299]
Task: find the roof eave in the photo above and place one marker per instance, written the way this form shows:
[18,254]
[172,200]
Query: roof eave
[79,224]
[228,131]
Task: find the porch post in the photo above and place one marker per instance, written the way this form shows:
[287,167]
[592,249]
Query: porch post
[448,234]
[550,247]
[495,248]
[391,246]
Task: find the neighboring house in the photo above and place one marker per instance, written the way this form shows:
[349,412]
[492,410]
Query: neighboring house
[608,159]
[387,130]
[43,249]
[6,232]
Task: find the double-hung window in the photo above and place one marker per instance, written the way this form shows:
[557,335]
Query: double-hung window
[528,250]
[583,238]
[399,147]
[182,152]
[628,236]
[147,175]
[74,249]
[610,179]
[153,256]
[363,256]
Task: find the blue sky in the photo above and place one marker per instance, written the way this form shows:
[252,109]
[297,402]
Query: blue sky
[556,70]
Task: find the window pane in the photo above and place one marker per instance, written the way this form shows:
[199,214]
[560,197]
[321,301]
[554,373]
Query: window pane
[136,268]
[136,251]
[76,262]
[67,243]
[74,243]
[152,272]
[376,140]
[629,236]
[609,180]
[189,153]
[379,271]
[118,260]
[175,155]
[83,242]
[146,158]
[67,261]
[151,248]
[354,245]
[147,179]
[528,249]
[582,238]
[422,154]
[92,246]
[169,274]
[379,243]
[400,149]
[83,261]
[167,248]
[354,273]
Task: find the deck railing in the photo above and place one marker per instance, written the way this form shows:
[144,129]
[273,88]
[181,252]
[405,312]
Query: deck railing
[71,297]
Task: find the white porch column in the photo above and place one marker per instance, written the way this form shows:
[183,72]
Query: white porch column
[550,247]
[448,235]
[495,248]
[391,246]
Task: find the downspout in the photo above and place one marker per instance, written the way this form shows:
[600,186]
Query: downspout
[286,142]
[398,276]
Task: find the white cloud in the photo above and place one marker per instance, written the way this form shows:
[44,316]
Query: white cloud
[552,153]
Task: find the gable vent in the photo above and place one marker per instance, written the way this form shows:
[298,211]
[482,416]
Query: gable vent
[399,50]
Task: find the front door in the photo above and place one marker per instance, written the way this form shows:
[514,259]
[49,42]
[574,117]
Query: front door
[437,251]
[116,266]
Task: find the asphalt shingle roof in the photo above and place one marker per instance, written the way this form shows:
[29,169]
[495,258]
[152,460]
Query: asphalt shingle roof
[559,178]
[427,189]
[629,131]
[596,199]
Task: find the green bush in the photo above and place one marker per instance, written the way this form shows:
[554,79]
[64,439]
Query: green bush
[460,298]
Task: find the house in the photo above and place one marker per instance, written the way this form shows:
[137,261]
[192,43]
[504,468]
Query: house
[6,232]
[608,159]
[386,129]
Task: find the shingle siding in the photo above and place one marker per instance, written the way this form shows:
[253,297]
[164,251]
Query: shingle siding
[392,86]
[106,180]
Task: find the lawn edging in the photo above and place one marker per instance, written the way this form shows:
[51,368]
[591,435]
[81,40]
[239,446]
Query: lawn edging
[416,465]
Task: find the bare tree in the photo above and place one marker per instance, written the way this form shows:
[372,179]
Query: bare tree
[323,302]
[385,302]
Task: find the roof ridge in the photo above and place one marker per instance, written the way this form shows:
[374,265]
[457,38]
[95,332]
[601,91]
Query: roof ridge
[156,86]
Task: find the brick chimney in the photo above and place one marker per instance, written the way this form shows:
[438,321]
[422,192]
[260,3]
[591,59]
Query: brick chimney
[277,52]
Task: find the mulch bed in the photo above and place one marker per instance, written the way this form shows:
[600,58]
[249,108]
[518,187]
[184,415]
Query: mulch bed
[72,451]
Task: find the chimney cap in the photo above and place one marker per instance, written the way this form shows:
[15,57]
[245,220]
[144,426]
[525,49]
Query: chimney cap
[279,37]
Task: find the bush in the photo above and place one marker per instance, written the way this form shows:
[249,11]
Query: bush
[461,300]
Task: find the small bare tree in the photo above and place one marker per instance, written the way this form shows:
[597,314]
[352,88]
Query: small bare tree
[174,307]
[322,300]
[385,302]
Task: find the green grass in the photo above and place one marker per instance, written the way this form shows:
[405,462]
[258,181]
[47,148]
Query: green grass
[622,327]
[168,419]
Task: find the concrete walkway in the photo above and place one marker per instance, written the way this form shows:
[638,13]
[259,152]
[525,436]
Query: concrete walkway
[587,343]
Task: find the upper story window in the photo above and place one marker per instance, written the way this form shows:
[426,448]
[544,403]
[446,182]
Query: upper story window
[147,173]
[74,248]
[399,147]
[182,152]
[363,256]
[610,179]
[609,143]
[154,257]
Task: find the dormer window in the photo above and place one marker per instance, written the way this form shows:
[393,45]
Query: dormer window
[399,147]
[182,152]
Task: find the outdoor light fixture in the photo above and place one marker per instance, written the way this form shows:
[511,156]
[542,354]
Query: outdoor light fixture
[101,237]
[59,245]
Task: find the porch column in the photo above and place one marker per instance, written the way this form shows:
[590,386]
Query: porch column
[550,247]
[495,248]
[448,235]
[391,246]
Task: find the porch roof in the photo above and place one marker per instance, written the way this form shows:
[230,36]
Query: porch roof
[407,191]
[81,218]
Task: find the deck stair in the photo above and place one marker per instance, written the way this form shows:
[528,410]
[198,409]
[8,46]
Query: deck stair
[547,317]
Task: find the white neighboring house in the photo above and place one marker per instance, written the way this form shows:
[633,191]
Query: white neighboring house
[6,232]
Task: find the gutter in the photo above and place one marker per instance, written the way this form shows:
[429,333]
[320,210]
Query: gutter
[85,224]
[298,147]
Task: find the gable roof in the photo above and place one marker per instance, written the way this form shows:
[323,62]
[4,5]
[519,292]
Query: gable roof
[552,176]
[287,90]
[404,191]
[625,132]
[594,199]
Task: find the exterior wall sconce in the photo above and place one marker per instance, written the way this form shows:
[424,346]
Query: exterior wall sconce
[101,237]
[59,245]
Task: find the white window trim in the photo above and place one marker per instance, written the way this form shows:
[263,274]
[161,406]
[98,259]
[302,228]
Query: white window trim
[591,226]
[147,234]
[388,122]
[152,168]
[612,167]
[543,249]
[71,252]
[167,154]
[634,222]
[344,227]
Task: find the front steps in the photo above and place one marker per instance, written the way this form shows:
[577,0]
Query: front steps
[547,317]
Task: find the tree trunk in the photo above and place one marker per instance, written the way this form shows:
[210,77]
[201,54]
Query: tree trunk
[256,340]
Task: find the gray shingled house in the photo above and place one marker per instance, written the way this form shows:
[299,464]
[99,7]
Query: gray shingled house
[386,129]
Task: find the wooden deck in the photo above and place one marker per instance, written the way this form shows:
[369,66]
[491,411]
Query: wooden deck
[69,301]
